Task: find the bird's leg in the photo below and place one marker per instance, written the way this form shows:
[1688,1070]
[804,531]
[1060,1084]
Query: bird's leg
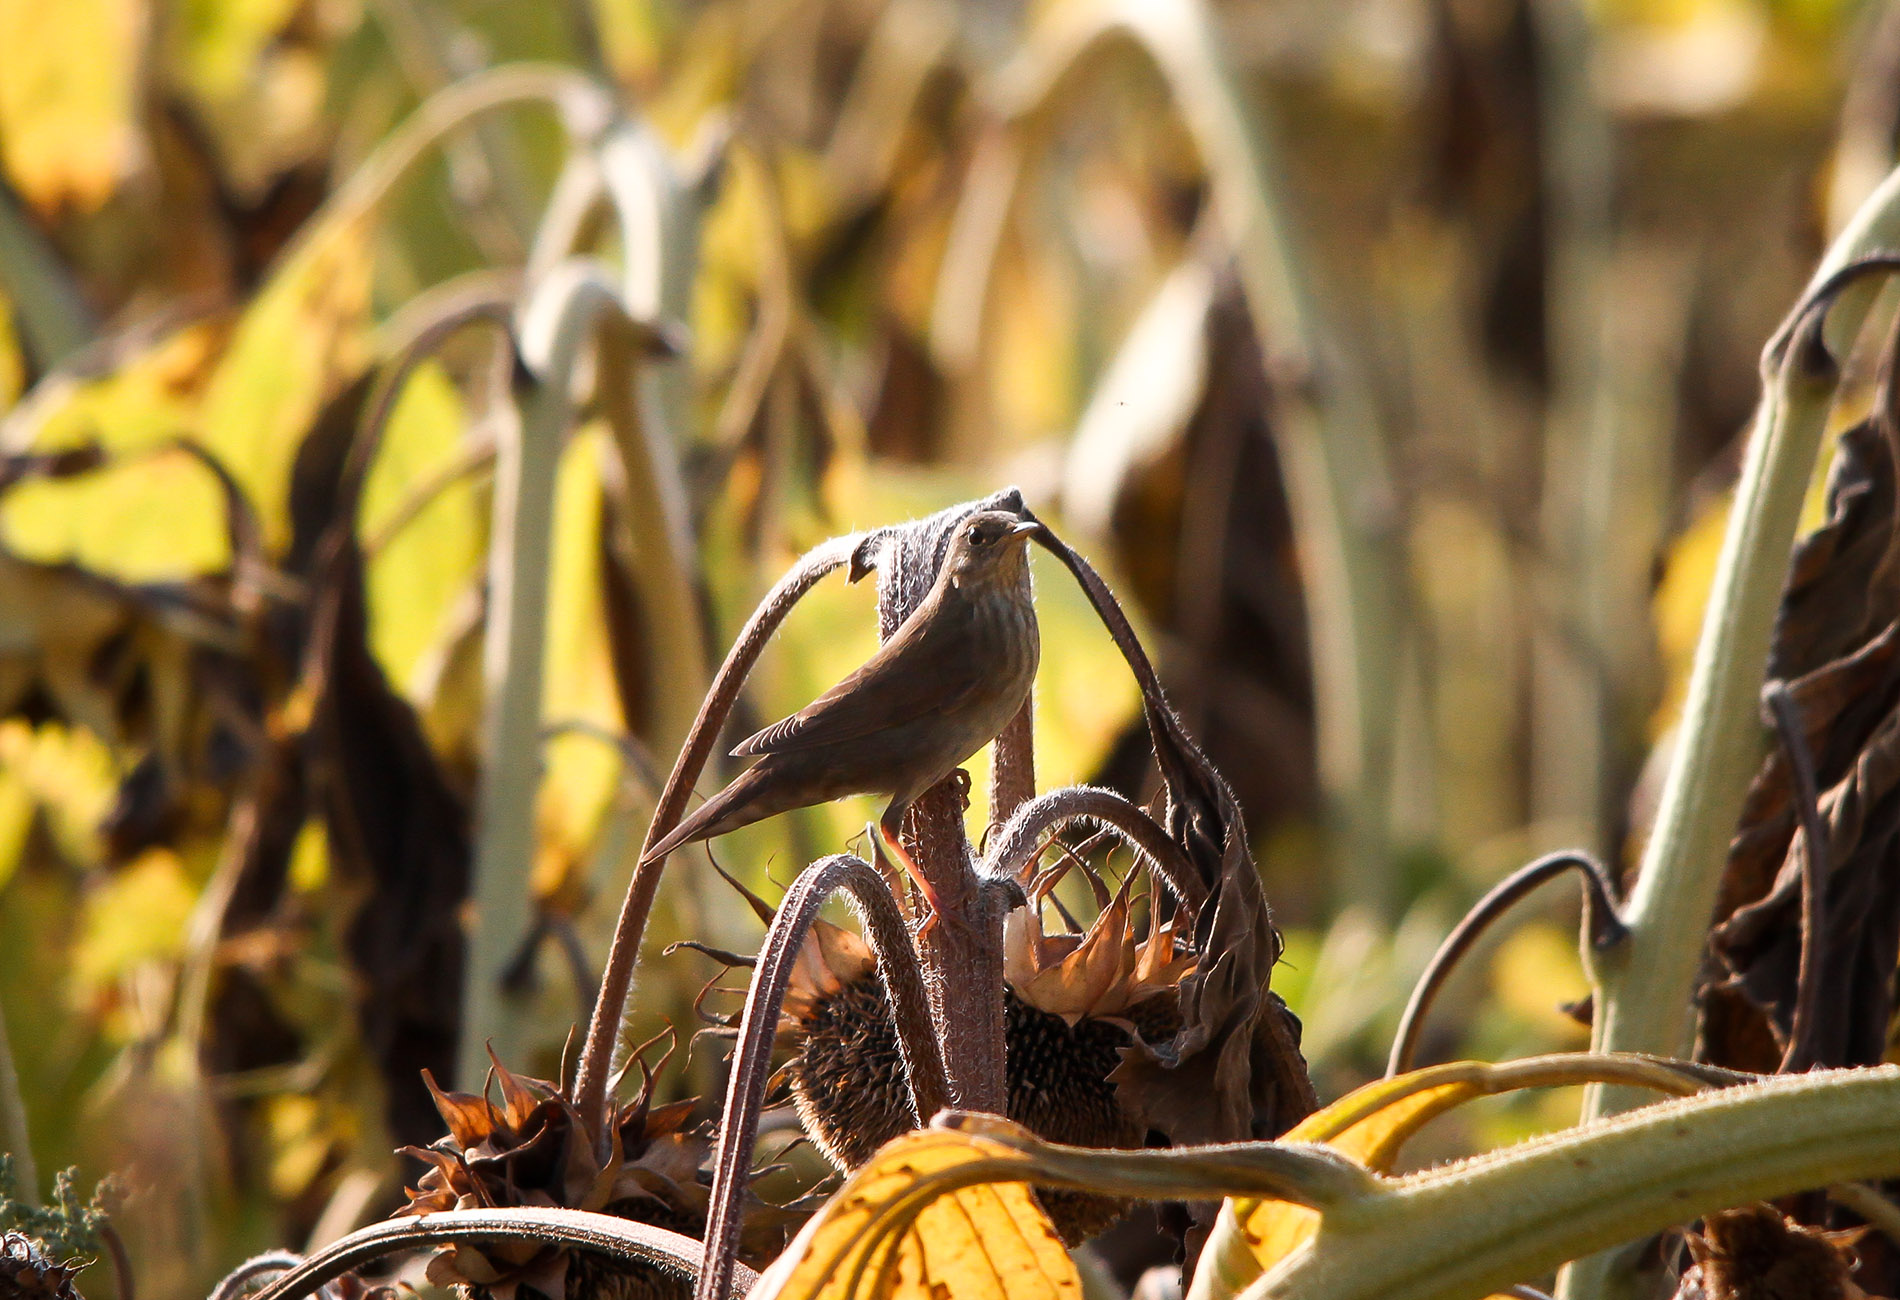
[884,833]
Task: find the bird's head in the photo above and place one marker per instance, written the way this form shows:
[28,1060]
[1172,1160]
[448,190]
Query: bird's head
[989,547]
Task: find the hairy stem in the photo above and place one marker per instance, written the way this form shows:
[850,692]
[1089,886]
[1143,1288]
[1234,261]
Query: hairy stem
[1017,843]
[758,1026]
[1600,923]
[1644,986]
[597,1053]
[623,1239]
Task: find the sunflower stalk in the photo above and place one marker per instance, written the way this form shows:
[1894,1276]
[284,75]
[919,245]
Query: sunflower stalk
[562,315]
[1643,986]
[590,1093]
[751,1062]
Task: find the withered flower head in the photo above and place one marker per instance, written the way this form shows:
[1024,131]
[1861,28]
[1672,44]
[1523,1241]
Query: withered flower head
[1073,1002]
[1755,1253]
[533,1150]
[28,1274]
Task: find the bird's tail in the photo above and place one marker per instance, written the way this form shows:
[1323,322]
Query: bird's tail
[725,811]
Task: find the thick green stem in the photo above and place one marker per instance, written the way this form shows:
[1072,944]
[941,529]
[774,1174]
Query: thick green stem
[1476,1227]
[561,316]
[1644,987]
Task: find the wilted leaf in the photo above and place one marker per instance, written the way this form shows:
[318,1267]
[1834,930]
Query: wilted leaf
[1372,1124]
[68,95]
[877,1238]
[1837,649]
[396,829]
[1755,1253]
[418,573]
[292,350]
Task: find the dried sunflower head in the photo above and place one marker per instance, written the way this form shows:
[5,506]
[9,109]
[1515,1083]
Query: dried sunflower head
[1754,1252]
[533,1150]
[26,1273]
[1073,1003]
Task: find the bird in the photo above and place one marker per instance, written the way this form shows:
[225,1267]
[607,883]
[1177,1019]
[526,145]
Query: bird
[946,682]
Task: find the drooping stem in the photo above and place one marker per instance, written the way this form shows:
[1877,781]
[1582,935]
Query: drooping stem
[1018,841]
[1013,765]
[1643,987]
[607,1234]
[758,1026]
[1600,923]
[563,315]
[597,1053]
[1812,844]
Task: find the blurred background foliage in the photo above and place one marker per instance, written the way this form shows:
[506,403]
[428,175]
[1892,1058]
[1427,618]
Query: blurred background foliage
[1548,240]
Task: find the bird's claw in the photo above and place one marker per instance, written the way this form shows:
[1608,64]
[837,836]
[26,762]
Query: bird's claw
[884,841]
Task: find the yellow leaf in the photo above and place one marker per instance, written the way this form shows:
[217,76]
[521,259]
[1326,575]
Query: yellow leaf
[297,343]
[419,571]
[138,916]
[145,517]
[68,92]
[1372,1124]
[920,1223]
[578,684]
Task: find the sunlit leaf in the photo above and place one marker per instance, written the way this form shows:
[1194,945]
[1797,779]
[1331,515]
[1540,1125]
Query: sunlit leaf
[578,687]
[146,519]
[69,776]
[138,915]
[214,42]
[1371,1125]
[293,348]
[416,576]
[68,93]
[985,1242]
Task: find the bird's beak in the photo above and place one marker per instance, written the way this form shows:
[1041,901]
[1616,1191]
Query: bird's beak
[1026,526]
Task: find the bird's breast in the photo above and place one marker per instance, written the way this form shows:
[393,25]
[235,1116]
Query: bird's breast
[1009,645]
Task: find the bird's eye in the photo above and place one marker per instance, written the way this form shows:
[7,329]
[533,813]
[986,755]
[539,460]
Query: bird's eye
[978,537]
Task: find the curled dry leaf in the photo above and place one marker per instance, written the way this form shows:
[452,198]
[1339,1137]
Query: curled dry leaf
[1754,1252]
[1837,653]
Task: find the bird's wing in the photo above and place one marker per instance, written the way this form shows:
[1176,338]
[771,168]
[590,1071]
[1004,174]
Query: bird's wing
[907,679]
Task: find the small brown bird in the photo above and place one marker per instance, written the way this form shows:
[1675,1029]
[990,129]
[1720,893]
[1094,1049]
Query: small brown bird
[940,689]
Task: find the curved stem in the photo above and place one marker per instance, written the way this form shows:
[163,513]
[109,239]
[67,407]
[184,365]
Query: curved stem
[239,1279]
[1018,842]
[1600,920]
[624,1239]
[751,1059]
[597,1053]
[582,103]
[564,312]
[1785,715]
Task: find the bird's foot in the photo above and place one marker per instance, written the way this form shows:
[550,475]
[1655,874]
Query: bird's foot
[884,841]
